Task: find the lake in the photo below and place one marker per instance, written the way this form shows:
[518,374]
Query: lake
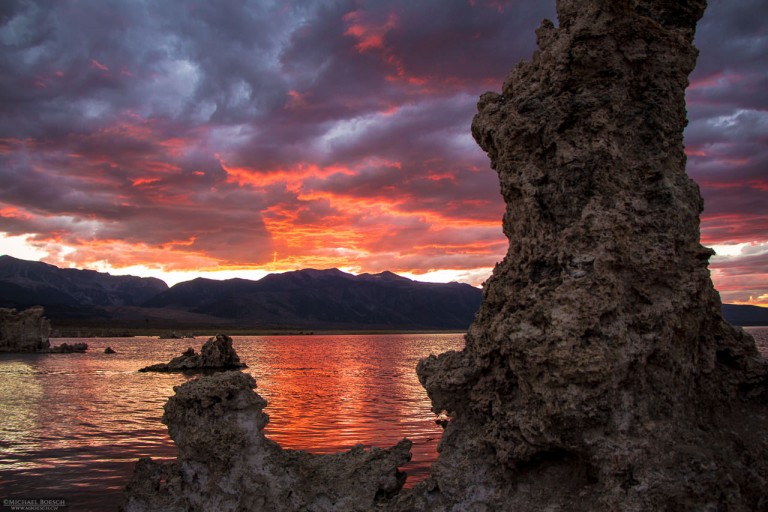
[74,424]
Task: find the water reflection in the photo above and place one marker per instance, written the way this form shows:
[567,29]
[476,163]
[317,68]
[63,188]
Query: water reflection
[18,387]
[329,393]
[92,418]
[74,424]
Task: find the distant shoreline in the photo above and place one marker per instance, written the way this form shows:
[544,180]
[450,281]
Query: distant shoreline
[70,333]
[205,333]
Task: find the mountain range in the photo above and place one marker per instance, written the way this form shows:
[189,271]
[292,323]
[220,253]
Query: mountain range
[306,299]
[302,299]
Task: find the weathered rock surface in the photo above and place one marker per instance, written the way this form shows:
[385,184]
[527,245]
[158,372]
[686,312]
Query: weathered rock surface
[217,354]
[67,348]
[225,463]
[25,331]
[28,331]
[599,373]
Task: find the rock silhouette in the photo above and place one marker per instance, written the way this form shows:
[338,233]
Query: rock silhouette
[599,374]
[28,331]
[217,354]
[67,348]
[226,463]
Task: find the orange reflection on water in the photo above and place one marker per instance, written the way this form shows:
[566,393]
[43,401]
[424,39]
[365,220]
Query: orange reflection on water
[74,424]
[329,393]
[18,386]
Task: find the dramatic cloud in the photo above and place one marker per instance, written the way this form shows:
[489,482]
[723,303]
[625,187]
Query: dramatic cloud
[265,136]
[727,144]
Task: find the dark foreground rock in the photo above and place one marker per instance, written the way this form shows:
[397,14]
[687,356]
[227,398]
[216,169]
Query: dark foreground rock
[217,354]
[599,374]
[225,462]
[25,331]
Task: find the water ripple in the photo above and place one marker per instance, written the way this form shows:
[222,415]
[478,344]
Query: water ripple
[74,424]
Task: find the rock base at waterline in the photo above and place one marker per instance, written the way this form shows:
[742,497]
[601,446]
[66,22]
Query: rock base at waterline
[217,354]
[225,462]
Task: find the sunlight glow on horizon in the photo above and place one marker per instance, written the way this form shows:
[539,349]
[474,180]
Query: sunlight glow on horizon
[473,277]
[735,290]
[22,248]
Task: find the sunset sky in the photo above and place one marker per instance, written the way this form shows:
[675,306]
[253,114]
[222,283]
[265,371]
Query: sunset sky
[228,138]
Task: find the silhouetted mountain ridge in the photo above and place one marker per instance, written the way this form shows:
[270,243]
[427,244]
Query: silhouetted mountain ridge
[744,314]
[328,298]
[26,283]
[308,298]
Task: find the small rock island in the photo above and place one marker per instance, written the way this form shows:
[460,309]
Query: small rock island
[217,354]
[28,331]
[24,331]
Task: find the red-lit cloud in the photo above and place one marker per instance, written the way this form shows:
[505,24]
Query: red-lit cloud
[225,135]
[727,146]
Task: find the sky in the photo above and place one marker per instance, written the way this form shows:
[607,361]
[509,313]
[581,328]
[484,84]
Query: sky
[229,138]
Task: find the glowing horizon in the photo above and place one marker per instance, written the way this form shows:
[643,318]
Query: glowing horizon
[724,254]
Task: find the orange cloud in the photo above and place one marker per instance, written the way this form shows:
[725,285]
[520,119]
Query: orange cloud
[144,181]
[369,35]
[13,212]
[119,254]
[292,177]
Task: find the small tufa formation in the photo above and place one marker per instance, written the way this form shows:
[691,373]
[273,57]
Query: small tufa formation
[217,354]
[66,348]
[28,331]
[176,336]
[25,331]
[109,350]
[226,463]
[599,374]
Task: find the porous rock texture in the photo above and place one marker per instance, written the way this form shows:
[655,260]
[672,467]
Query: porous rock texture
[599,373]
[225,463]
[217,354]
[24,331]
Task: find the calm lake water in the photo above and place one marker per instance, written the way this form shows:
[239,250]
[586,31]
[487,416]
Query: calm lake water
[73,425]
